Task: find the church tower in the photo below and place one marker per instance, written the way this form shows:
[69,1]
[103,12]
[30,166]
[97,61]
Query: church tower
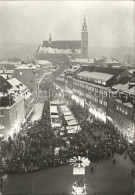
[84,40]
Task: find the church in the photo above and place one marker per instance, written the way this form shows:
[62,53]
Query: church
[57,51]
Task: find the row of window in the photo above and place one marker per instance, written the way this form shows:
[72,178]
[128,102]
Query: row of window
[103,102]
[124,123]
[90,88]
[123,110]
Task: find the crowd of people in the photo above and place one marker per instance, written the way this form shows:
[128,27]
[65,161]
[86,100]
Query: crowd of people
[34,147]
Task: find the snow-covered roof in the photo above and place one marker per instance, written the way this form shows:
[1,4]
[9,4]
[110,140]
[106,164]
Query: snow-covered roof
[56,124]
[43,62]
[128,104]
[24,66]
[72,122]
[95,75]
[16,83]
[68,113]
[54,116]
[125,88]
[53,109]
[83,60]
[69,118]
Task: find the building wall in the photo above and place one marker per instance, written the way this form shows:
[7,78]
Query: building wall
[121,117]
[12,118]
[27,77]
[5,121]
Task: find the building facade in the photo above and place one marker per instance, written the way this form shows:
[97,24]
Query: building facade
[108,92]
[15,99]
[121,107]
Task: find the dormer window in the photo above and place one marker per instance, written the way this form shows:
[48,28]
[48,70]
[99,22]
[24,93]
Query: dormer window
[99,82]
[103,83]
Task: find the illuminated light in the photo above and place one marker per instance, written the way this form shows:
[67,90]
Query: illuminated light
[98,114]
[79,161]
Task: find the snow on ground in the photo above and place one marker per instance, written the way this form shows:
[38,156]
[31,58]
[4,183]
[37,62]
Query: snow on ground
[37,111]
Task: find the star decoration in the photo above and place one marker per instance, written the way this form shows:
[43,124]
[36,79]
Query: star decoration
[79,161]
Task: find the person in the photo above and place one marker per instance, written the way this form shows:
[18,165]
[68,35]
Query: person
[1,184]
[114,161]
[132,172]
[92,169]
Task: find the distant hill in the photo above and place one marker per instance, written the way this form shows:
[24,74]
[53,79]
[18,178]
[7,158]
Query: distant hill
[116,52]
[11,50]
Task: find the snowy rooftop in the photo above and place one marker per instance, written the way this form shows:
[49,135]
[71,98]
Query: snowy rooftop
[125,87]
[53,109]
[15,83]
[43,62]
[95,75]
[72,122]
[24,66]
[85,60]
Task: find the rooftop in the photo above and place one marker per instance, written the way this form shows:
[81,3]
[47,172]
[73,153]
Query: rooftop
[81,60]
[63,44]
[96,75]
[24,66]
[43,62]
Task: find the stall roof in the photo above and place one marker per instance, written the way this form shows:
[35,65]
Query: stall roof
[56,124]
[64,108]
[68,113]
[68,118]
[72,123]
[77,127]
[53,109]
[54,116]
[57,102]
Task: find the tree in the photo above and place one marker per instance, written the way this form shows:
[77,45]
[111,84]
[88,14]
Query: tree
[128,58]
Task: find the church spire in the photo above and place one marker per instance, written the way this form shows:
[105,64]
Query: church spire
[50,38]
[84,27]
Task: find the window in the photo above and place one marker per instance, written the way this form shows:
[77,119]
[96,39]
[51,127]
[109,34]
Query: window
[105,103]
[1,113]
[2,126]
[126,112]
[105,93]
[104,83]
[21,73]
[100,101]
[99,82]
[90,87]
